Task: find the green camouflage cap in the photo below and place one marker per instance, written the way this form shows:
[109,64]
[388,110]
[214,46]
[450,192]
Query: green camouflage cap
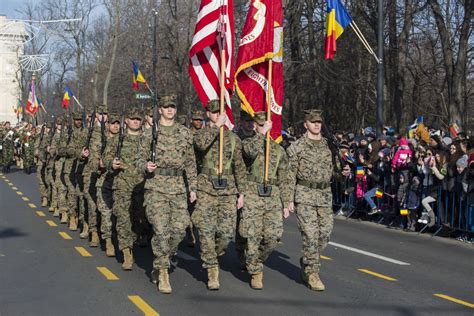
[113,117]
[134,113]
[59,120]
[197,115]
[213,106]
[102,108]
[260,117]
[168,100]
[49,125]
[76,115]
[148,110]
[313,115]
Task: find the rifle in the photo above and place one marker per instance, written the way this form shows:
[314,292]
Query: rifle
[91,129]
[333,144]
[52,131]
[103,137]
[43,127]
[69,132]
[154,129]
[121,135]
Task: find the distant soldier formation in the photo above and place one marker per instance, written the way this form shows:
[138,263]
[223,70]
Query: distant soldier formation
[158,182]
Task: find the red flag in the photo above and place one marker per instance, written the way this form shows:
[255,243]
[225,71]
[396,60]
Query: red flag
[214,28]
[32,105]
[262,40]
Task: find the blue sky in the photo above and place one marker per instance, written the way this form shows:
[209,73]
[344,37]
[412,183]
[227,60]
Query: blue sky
[9,7]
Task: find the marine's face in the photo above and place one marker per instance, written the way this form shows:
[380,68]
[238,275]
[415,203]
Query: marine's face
[247,125]
[313,127]
[168,113]
[78,123]
[213,116]
[114,127]
[134,123]
[197,123]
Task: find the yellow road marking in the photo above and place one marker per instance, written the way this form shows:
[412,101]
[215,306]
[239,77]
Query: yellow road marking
[19,192]
[377,275]
[40,214]
[455,300]
[325,258]
[24,198]
[65,235]
[31,205]
[143,306]
[108,274]
[51,223]
[83,251]
[14,188]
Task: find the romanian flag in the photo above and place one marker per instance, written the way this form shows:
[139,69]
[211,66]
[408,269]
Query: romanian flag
[379,193]
[261,41]
[67,97]
[32,106]
[413,127]
[360,172]
[454,130]
[337,20]
[137,77]
[348,158]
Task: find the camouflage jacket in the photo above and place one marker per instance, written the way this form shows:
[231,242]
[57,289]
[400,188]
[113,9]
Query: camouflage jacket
[106,176]
[128,177]
[72,149]
[92,162]
[206,142]
[174,153]
[310,161]
[254,150]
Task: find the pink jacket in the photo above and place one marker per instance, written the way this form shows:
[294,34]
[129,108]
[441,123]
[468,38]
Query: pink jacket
[401,156]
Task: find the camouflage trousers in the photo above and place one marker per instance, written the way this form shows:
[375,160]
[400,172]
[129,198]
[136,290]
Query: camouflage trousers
[49,180]
[262,225]
[168,215]
[315,225]
[89,194]
[71,195]
[240,242]
[41,174]
[104,205]
[124,202]
[140,225]
[215,217]
[59,194]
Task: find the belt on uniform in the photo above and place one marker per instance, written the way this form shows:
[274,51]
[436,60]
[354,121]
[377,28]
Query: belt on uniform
[169,172]
[252,178]
[313,185]
[212,172]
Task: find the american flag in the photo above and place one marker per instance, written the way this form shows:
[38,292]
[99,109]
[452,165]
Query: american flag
[214,28]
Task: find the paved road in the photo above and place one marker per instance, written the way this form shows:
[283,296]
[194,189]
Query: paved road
[368,270]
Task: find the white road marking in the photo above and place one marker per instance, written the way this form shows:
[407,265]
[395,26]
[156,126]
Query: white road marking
[370,254]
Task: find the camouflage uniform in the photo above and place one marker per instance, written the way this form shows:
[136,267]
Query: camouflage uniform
[127,193]
[215,214]
[40,153]
[28,150]
[262,221]
[310,171]
[59,189]
[9,135]
[165,189]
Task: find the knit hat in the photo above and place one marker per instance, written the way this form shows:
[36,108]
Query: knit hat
[462,162]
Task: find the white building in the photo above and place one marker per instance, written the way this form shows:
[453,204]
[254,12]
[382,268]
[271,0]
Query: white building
[12,36]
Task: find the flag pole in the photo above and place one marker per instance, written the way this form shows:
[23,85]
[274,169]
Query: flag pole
[77,101]
[363,40]
[269,117]
[221,111]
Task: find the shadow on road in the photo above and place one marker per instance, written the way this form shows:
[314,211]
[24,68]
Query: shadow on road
[11,232]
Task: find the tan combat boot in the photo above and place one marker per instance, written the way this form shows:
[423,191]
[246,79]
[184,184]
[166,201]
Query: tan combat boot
[73,223]
[127,259]
[56,212]
[315,283]
[257,281]
[164,282]
[44,201]
[64,217]
[213,278]
[51,209]
[94,240]
[109,248]
[85,231]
